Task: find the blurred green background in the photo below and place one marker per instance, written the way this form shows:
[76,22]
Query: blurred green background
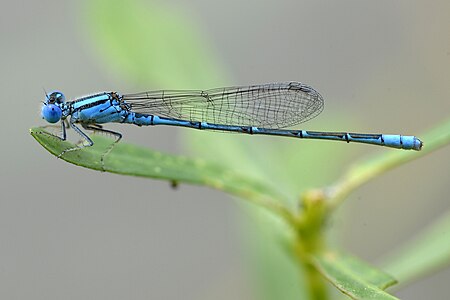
[69,232]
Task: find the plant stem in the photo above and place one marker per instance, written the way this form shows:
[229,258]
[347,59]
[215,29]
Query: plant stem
[315,283]
[310,241]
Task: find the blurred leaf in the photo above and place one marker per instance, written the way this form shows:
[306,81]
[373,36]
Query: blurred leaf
[151,43]
[268,243]
[127,159]
[353,276]
[367,170]
[427,252]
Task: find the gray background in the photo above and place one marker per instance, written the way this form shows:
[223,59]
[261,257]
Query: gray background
[72,233]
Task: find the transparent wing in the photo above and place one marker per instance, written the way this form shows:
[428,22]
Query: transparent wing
[274,105]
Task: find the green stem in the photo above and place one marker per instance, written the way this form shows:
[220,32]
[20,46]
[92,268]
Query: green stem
[315,283]
[310,241]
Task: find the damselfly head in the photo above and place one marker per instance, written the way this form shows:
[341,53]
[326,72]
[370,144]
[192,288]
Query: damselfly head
[51,109]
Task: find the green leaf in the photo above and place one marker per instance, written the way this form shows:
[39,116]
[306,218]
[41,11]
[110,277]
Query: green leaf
[149,42]
[427,252]
[352,276]
[128,159]
[365,171]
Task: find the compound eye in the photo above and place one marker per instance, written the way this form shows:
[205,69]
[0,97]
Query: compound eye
[56,97]
[51,113]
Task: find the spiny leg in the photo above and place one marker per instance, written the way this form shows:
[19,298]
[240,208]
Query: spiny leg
[80,132]
[99,128]
[63,126]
